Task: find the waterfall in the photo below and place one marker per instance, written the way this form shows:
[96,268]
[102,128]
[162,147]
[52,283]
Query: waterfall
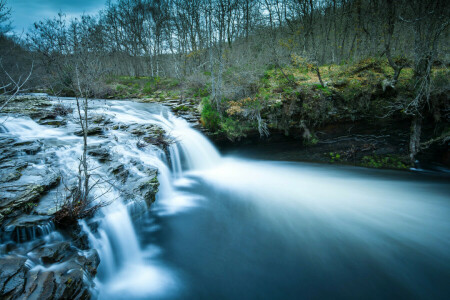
[125,268]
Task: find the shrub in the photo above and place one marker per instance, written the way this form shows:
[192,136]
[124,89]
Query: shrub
[233,129]
[210,117]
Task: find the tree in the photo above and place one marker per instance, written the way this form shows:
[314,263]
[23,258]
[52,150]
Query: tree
[5,18]
[428,19]
[13,78]
[73,62]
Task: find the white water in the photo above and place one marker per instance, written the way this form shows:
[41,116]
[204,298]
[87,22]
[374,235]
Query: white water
[125,268]
[325,220]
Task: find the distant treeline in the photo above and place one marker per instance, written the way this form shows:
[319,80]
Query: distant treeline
[177,38]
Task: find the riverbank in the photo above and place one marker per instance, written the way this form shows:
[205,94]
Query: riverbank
[353,114]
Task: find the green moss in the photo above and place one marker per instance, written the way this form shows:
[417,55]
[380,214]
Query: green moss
[334,157]
[181,108]
[325,90]
[384,161]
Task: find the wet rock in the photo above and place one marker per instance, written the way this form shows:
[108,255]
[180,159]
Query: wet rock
[102,154]
[53,253]
[101,119]
[56,123]
[27,227]
[70,278]
[146,129]
[40,285]
[147,189]
[17,165]
[14,197]
[12,276]
[119,172]
[12,176]
[51,271]
[91,131]
[29,147]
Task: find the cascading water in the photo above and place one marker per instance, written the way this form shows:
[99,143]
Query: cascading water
[235,228]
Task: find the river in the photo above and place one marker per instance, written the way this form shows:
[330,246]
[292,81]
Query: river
[230,227]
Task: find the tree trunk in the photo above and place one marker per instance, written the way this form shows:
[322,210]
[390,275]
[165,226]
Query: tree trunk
[414,142]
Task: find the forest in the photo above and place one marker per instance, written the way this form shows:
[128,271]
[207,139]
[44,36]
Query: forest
[252,65]
[225,149]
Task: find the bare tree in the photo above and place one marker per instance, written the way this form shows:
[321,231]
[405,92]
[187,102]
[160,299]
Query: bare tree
[429,19]
[73,61]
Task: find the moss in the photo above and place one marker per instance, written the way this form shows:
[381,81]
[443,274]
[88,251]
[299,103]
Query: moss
[384,161]
[334,157]
[181,108]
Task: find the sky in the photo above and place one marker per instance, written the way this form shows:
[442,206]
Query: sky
[26,12]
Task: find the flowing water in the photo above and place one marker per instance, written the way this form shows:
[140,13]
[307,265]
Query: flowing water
[236,228]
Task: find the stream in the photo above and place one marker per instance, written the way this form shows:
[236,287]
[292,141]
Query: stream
[231,227]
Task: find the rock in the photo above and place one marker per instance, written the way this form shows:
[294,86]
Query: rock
[12,276]
[147,189]
[29,147]
[12,176]
[14,197]
[40,285]
[99,152]
[91,131]
[67,273]
[72,278]
[57,123]
[119,171]
[53,253]
[27,227]
[101,119]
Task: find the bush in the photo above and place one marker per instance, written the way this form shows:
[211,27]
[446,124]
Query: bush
[210,117]
[387,161]
[234,129]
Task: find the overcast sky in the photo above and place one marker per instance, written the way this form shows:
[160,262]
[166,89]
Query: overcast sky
[26,12]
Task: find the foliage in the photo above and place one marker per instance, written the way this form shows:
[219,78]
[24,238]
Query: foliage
[386,161]
[233,129]
[334,157]
[210,117]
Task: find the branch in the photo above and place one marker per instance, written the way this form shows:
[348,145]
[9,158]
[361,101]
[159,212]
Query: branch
[17,85]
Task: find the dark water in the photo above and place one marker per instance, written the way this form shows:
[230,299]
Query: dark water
[273,230]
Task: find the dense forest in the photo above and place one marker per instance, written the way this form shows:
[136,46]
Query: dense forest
[292,66]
